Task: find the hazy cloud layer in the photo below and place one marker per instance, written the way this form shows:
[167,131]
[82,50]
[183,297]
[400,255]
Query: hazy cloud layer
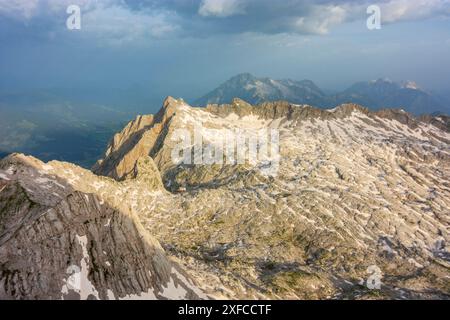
[129,20]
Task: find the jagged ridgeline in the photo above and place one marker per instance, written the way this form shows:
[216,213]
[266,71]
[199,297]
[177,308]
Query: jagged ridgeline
[375,94]
[354,191]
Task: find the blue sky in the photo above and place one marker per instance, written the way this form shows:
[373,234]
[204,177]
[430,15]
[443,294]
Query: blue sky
[187,47]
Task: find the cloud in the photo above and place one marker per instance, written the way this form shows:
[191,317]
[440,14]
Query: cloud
[103,21]
[221,8]
[320,20]
[403,10]
[299,16]
[29,9]
[19,8]
[139,20]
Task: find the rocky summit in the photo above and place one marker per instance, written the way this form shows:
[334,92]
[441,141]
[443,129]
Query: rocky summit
[357,208]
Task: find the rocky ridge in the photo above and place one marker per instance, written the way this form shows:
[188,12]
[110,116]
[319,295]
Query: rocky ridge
[61,237]
[355,189]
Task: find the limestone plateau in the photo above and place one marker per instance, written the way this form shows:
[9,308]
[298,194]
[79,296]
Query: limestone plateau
[355,191]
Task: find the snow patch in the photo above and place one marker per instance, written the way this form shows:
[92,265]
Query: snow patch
[110,295]
[173,291]
[4,177]
[80,282]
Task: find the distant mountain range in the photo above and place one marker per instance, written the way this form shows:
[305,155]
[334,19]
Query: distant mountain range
[376,94]
[74,125]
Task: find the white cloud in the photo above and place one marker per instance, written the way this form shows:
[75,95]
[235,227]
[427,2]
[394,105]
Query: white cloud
[221,8]
[401,10]
[28,9]
[24,9]
[106,21]
[320,20]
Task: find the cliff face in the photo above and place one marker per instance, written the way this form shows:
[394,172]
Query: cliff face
[62,238]
[136,140]
[350,191]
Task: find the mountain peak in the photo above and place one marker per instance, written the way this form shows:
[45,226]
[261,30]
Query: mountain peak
[407,84]
[171,101]
[410,85]
[244,76]
[382,80]
[257,90]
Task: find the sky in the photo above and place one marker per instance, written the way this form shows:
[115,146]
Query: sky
[186,48]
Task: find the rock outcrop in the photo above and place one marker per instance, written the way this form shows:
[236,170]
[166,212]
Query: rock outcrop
[135,141]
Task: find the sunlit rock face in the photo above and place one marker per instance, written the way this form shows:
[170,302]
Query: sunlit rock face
[358,207]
